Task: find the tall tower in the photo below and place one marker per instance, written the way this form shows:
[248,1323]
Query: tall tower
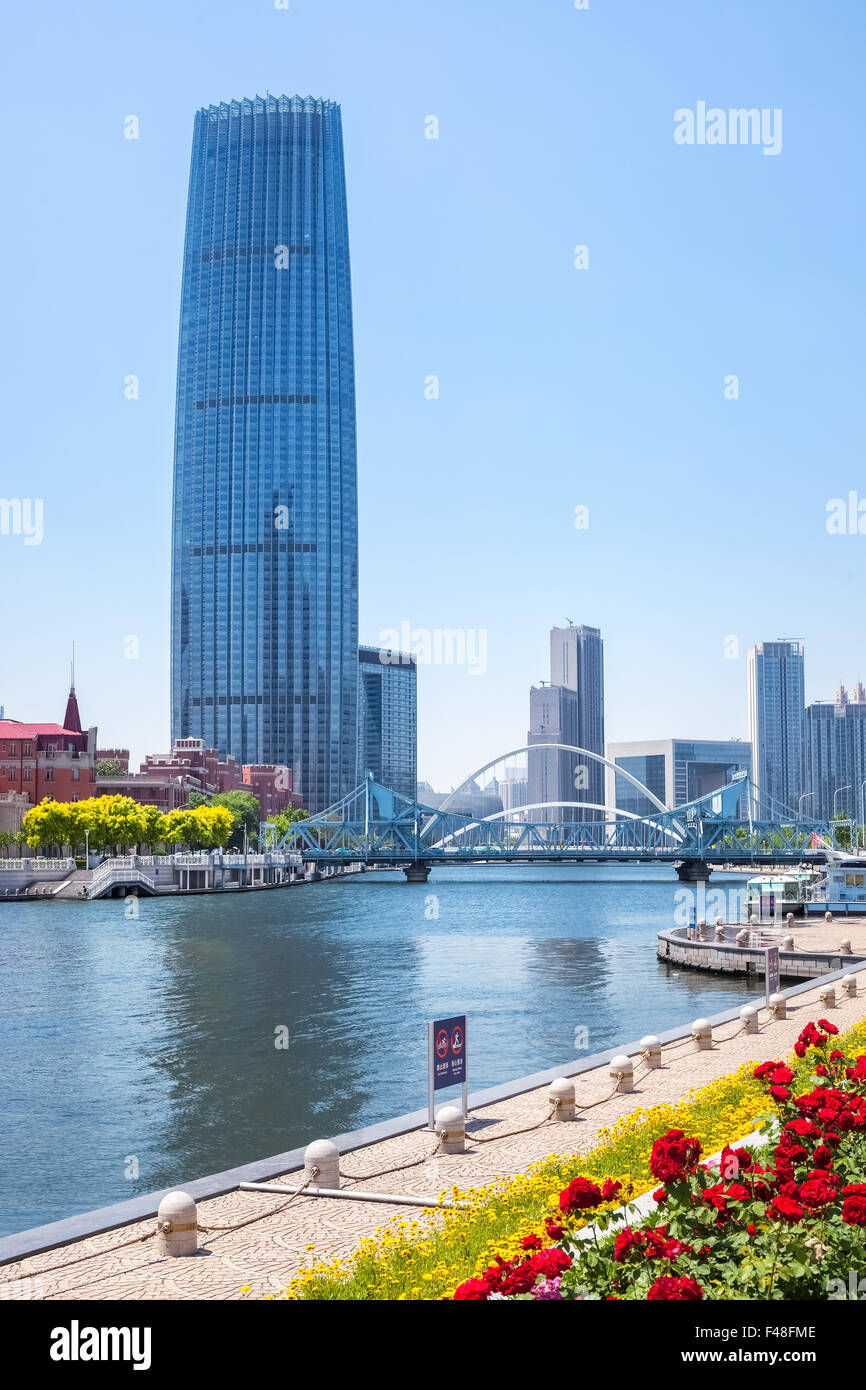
[577,663]
[265,545]
[777,721]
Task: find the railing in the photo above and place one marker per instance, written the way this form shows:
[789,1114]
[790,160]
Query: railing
[107,876]
[65,865]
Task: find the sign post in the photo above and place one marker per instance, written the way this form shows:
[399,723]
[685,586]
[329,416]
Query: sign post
[771,972]
[446,1060]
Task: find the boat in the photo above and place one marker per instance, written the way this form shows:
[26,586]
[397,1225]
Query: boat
[771,896]
[840,889]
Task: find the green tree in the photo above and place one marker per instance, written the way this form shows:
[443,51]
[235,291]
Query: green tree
[243,807]
[110,767]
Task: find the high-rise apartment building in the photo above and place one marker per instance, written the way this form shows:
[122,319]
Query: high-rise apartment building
[265,550]
[388,719]
[777,720]
[836,739]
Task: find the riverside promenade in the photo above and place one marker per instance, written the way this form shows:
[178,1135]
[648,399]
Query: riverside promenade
[263,1251]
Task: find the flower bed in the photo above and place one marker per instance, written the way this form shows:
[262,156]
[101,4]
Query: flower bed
[427,1259]
[785,1222]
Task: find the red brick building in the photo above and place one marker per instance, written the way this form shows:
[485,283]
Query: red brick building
[53,760]
[165,780]
[273,787]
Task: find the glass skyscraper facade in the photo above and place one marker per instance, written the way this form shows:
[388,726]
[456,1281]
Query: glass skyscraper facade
[265,549]
[676,770]
[388,719]
[836,735]
[777,721]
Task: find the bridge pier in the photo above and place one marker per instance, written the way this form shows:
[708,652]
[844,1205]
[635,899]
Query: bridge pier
[693,871]
[419,872]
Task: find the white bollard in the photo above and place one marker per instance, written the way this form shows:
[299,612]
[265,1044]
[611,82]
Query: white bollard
[828,916]
[789,919]
[743,937]
[562,1090]
[778,1006]
[451,1124]
[325,1156]
[828,997]
[702,929]
[719,932]
[787,943]
[702,1033]
[719,921]
[622,1072]
[652,1050]
[753,921]
[849,984]
[177,1223]
[845,947]
[749,1015]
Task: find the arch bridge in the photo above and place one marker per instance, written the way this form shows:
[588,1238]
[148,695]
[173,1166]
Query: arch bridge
[378,827]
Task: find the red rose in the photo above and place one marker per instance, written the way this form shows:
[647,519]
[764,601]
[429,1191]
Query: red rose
[816,1193]
[854,1209]
[580,1194]
[610,1190]
[752,1230]
[785,1209]
[780,1093]
[837,1056]
[827,1026]
[822,1070]
[737,1192]
[673,1155]
[531,1242]
[822,1156]
[474,1290]
[670,1287]
[627,1241]
[782,1076]
[551,1262]
[554,1231]
[660,1195]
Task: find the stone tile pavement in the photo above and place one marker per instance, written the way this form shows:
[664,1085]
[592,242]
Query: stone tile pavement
[268,1252]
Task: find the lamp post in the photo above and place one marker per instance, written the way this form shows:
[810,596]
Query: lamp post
[87,849]
[836,793]
[862,818]
[803,796]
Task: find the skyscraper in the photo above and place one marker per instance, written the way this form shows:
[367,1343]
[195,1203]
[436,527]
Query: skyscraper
[553,776]
[388,719]
[265,549]
[777,720]
[577,663]
[836,739]
[676,770]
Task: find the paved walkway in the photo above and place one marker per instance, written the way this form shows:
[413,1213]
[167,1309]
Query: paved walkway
[268,1252]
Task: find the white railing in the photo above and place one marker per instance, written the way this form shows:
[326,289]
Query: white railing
[61,865]
[108,875]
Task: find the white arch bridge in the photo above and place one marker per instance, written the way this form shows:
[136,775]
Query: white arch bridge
[379,827]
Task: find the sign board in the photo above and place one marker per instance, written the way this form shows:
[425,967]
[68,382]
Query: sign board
[446,1059]
[771,972]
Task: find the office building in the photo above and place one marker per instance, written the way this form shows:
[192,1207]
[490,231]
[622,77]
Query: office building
[264,640]
[777,720]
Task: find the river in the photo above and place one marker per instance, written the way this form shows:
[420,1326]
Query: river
[141,1052]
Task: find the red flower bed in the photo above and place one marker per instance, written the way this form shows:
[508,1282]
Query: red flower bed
[785,1223]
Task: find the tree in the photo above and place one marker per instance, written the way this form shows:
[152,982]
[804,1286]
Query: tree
[286,819]
[110,767]
[243,807]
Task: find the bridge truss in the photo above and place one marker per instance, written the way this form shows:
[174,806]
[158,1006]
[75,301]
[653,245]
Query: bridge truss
[375,825]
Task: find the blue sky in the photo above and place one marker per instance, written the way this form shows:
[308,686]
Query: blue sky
[559,387]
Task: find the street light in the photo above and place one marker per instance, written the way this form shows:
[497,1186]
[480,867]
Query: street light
[836,793]
[87,849]
[803,796]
